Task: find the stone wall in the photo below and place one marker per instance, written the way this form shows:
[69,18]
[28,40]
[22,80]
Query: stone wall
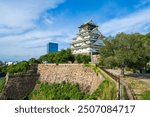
[19,86]
[73,73]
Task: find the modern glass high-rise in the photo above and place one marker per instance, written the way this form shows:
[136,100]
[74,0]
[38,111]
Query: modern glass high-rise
[52,47]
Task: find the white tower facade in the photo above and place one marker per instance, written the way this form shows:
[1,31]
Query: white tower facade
[88,39]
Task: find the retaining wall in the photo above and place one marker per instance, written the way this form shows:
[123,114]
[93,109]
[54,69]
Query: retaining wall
[73,73]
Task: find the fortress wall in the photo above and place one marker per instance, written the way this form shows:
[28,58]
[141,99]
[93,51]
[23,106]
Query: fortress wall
[73,73]
[19,86]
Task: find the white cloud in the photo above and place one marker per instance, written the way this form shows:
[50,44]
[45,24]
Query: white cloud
[19,30]
[21,14]
[33,43]
[135,22]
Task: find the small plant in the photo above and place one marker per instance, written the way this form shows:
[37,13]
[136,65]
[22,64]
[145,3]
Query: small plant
[38,82]
[146,95]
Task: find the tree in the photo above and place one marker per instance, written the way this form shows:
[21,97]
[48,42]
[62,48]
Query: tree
[21,67]
[125,50]
[58,57]
[3,70]
[33,61]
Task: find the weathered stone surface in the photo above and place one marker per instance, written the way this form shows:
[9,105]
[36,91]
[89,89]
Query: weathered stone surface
[19,86]
[73,73]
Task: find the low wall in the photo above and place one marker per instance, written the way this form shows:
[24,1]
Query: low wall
[73,73]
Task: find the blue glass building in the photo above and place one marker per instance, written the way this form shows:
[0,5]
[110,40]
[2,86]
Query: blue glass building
[52,47]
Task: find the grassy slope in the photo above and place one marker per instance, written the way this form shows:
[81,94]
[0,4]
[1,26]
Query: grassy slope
[109,87]
[2,82]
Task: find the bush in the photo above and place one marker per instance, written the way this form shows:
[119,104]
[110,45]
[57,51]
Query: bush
[3,70]
[63,91]
[21,67]
[33,61]
[82,58]
[58,57]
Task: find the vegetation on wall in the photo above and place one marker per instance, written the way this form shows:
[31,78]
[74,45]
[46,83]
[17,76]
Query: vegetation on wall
[63,91]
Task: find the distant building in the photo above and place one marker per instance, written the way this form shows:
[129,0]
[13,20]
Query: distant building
[88,39]
[52,47]
[9,63]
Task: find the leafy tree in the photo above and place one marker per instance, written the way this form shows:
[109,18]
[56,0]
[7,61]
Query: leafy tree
[125,50]
[21,67]
[33,61]
[3,70]
[58,57]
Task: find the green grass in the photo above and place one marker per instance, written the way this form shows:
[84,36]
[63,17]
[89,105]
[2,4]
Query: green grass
[124,93]
[2,83]
[105,91]
[146,95]
[108,88]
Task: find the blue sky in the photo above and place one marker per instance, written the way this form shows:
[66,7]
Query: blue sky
[26,26]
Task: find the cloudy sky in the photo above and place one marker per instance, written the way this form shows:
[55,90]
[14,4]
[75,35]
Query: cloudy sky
[26,26]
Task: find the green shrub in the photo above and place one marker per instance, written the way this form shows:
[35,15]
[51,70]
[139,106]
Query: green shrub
[21,67]
[3,70]
[82,58]
[33,61]
[62,56]
[63,91]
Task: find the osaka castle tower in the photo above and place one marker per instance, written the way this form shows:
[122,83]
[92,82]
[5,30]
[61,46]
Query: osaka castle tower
[88,40]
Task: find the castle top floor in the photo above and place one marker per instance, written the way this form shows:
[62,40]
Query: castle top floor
[88,26]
